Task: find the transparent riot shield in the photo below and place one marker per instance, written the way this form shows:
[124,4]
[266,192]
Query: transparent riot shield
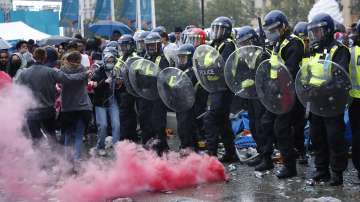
[143,78]
[170,54]
[275,87]
[208,66]
[323,88]
[124,70]
[240,69]
[176,89]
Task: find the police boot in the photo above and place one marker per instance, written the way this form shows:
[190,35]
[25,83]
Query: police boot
[287,171]
[336,179]
[255,161]
[266,164]
[321,175]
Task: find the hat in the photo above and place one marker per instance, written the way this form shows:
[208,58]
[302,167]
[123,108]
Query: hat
[52,57]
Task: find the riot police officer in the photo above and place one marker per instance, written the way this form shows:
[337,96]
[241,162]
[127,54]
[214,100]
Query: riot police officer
[186,120]
[158,109]
[216,121]
[245,36]
[355,93]
[289,50]
[127,104]
[139,37]
[327,133]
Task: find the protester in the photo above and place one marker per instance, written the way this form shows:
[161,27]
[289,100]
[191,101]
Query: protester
[115,36]
[4,60]
[52,59]
[106,95]
[41,80]
[16,62]
[76,105]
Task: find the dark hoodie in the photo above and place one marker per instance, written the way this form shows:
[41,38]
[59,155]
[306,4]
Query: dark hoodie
[15,65]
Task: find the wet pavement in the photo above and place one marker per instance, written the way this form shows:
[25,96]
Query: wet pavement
[245,185]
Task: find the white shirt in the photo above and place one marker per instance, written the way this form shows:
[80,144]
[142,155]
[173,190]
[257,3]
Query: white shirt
[85,61]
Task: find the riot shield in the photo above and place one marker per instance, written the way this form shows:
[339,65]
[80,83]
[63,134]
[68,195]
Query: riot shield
[275,86]
[143,75]
[176,89]
[323,88]
[240,69]
[170,54]
[208,66]
[124,70]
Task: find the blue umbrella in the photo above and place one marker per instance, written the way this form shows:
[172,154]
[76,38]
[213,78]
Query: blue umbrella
[106,28]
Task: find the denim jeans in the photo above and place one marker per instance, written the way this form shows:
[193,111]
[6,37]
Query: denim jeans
[102,123]
[74,135]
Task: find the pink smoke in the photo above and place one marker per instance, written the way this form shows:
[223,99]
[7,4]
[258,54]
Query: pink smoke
[137,170]
[21,178]
[24,178]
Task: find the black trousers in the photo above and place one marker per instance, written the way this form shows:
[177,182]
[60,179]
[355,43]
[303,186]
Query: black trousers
[297,125]
[255,111]
[278,128]
[186,128]
[145,111]
[128,117]
[354,115]
[327,137]
[199,108]
[45,120]
[217,123]
[158,121]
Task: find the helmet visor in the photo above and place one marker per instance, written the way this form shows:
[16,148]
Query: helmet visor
[195,40]
[183,59]
[125,48]
[217,32]
[140,46]
[316,34]
[152,48]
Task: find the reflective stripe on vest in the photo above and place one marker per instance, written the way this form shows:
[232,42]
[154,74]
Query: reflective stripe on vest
[157,60]
[318,70]
[354,70]
[275,57]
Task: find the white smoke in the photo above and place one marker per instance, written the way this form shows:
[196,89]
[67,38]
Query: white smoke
[330,7]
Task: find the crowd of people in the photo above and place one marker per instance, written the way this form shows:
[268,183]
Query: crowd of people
[77,81]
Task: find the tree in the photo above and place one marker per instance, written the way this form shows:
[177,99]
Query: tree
[240,11]
[172,13]
[295,10]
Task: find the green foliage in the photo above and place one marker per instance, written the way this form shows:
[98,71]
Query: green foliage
[240,11]
[295,10]
[172,13]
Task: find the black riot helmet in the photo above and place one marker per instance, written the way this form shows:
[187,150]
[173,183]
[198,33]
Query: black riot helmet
[246,35]
[139,37]
[127,44]
[221,28]
[321,30]
[153,44]
[275,25]
[184,56]
[300,29]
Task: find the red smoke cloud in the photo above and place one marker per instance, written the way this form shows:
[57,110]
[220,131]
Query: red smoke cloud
[24,178]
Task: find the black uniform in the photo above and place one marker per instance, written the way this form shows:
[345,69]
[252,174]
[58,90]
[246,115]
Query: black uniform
[280,125]
[186,121]
[216,121]
[159,111]
[327,133]
[128,115]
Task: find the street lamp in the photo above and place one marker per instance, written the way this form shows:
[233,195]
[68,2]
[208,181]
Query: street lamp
[202,14]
